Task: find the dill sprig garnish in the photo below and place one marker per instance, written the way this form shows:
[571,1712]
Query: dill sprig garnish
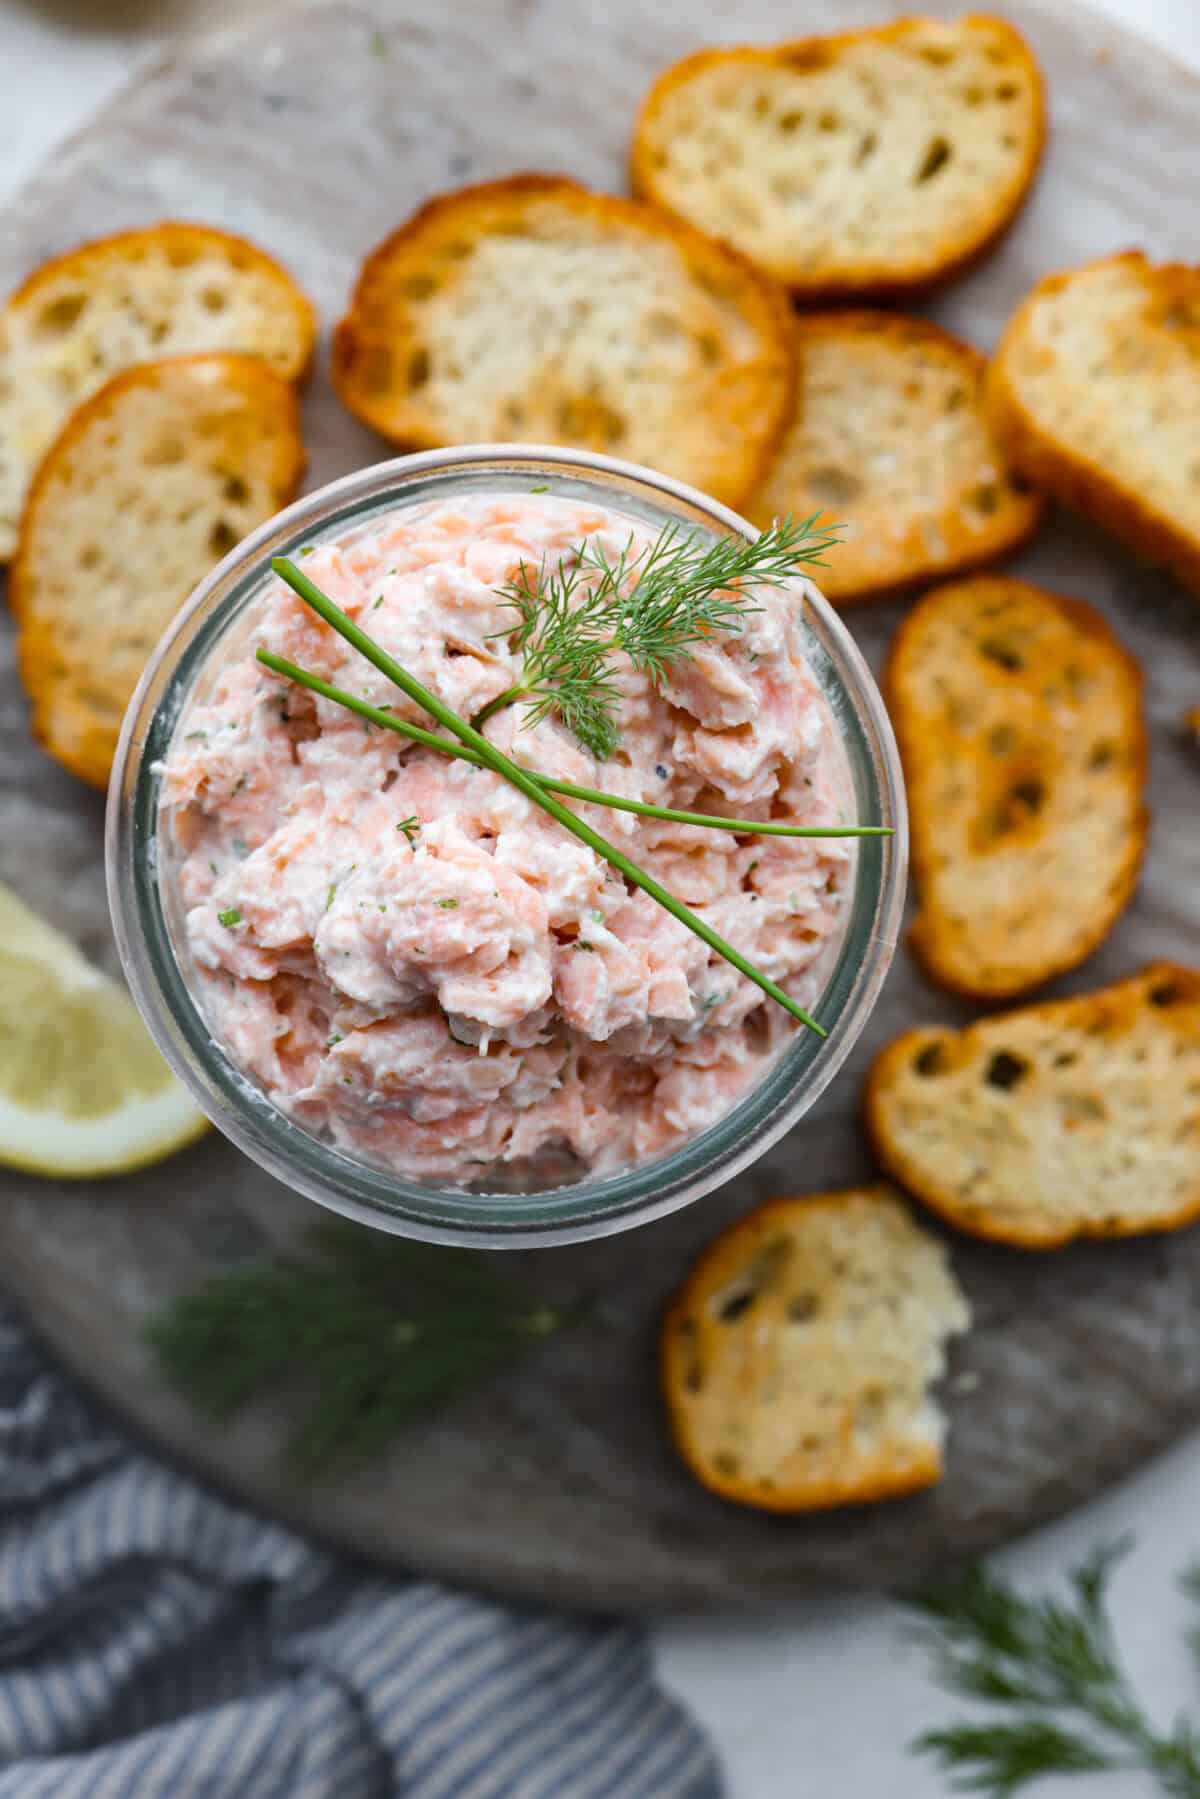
[566,655]
[651,605]
[1052,1668]
[377,1331]
[527,784]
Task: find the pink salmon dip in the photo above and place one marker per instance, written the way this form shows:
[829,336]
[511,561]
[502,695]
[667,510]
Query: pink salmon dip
[490,993]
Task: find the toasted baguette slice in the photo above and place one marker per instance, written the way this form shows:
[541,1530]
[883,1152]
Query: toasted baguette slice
[1075,1119]
[797,1358]
[530,310]
[873,162]
[1095,393]
[889,439]
[149,485]
[171,290]
[1019,718]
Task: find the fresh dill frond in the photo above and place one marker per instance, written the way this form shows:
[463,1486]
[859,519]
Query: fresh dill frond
[652,605]
[366,1336]
[565,648]
[685,588]
[1053,1669]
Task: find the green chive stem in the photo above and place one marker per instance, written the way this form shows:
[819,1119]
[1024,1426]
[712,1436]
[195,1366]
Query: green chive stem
[366,646]
[588,795]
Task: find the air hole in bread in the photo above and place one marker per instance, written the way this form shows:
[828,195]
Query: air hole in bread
[762,1274]
[828,121]
[1002,740]
[89,556]
[213,299]
[867,147]
[725,1463]
[693,1367]
[936,157]
[1102,755]
[834,486]
[60,315]
[1165,994]
[930,1060]
[222,538]
[235,490]
[419,286]
[733,1307]
[802,1307]
[1006,1071]
[1008,90]
[418,368]
[936,54]
[790,121]
[1029,794]
[1002,652]
[985,499]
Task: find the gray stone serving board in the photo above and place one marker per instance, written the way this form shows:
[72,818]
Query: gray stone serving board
[315,133]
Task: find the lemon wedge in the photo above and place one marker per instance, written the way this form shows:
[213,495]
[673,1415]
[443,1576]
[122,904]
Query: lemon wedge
[83,1090]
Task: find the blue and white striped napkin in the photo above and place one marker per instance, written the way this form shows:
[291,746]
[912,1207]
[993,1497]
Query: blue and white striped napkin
[159,1643]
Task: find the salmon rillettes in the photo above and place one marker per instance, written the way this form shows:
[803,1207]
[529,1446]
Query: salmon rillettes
[479,988]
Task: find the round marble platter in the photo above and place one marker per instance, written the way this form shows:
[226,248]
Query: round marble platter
[315,132]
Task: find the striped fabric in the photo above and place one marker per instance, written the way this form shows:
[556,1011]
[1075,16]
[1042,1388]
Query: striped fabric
[158,1643]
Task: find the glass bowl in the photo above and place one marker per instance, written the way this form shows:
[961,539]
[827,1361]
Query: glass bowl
[587,1207]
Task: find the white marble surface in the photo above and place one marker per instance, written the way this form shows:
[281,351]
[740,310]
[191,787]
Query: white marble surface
[818,1700]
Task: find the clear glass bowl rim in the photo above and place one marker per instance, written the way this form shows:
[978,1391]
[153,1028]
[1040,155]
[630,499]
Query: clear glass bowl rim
[591,1207]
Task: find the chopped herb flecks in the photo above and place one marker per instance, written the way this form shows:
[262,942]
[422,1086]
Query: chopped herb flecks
[229,917]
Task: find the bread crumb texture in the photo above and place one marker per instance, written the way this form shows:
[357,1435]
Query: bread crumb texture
[1020,724]
[798,1357]
[1095,394]
[152,482]
[530,310]
[889,441]
[170,290]
[874,161]
[1079,1118]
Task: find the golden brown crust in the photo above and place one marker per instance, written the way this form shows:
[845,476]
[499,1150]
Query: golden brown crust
[1072,478]
[67,730]
[760,413]
[170,234]
[924,743]
[881,280]
[849,579]
[719,1266]
[1109,1012]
